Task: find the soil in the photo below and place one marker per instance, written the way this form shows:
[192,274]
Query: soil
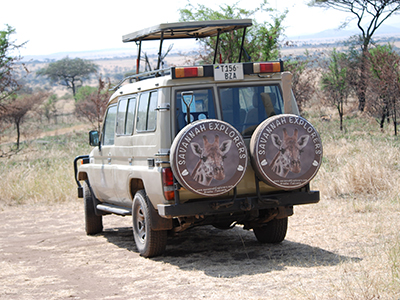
[45,254]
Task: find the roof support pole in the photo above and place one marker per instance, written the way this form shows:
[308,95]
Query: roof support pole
[138,57]
[241,47]
[159,51]
[216,46]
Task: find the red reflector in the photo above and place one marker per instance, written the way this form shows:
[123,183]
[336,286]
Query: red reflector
[167,177]
[188,72]
[271,67]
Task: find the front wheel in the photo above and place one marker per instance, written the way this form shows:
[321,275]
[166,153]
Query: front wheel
[148,242]
[93,222]
[273,232]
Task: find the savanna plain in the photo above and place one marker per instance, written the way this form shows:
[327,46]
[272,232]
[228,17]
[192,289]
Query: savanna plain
[345,247]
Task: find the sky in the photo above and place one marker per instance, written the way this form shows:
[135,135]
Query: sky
[51,26]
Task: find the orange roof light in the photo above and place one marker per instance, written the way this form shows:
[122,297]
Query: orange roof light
[187,72]
[269,67]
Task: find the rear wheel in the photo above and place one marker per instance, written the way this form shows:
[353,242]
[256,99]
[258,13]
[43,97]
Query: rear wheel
[93,222]
[148,242]
[273,232]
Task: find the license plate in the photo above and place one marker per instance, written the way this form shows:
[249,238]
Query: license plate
[228,72]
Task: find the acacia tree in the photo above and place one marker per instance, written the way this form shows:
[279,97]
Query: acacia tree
[18,109]
[369,15]
[335,82]
[261,38]
[93,106]
[69,72]
[8,65]
[385,87]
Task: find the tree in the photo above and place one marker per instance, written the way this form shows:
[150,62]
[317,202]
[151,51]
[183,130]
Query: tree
[303,80]
[84,92]
[8,65]
[49,108]
[69,72]
[335,83]
[93,107]
[369,14]
[384,66]
[17,109]
[261,38]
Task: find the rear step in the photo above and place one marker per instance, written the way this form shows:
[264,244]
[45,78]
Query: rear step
[123,211]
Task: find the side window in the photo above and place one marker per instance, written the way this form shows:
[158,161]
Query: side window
[147,113]
[152,113]
[121,113]
[130,116]
[202,106]
[126,116]
[109,126]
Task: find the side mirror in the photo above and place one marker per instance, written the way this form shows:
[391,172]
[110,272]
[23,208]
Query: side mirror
[94,138]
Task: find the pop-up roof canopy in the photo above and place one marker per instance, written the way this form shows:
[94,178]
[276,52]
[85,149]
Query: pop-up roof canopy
[200,29]
[182,30]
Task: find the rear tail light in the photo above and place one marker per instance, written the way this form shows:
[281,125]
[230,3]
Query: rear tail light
[168,183]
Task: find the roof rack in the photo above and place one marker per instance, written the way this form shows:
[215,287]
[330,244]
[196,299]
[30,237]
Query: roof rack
[181,30]
[184,30]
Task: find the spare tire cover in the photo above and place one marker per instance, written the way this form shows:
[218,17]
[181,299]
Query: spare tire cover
[286,151]
[208,157]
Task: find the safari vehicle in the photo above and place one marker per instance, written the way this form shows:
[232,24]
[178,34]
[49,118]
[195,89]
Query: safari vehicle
[219,144]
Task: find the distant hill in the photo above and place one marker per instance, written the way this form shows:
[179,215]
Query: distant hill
[93,55]
[384,30]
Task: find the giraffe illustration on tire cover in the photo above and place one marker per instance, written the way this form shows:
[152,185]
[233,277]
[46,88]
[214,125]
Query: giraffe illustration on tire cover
[211,160]
[289,148]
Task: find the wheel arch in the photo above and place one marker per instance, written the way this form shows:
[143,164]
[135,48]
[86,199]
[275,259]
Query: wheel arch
[82,176]
[157,222]
[135,185]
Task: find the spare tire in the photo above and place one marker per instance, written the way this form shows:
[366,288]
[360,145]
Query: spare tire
[286,151]
[208,157]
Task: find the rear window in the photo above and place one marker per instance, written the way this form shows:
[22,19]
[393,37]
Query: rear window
[245,107]
[201,107]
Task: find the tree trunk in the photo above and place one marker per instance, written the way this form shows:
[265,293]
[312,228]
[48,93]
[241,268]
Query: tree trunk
[395,119]
[340,110]
[73,89]
[362,88]
[18,132]
[383,117]
[382,121]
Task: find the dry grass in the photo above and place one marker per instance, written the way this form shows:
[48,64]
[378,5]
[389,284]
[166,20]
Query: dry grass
[361,174]
[42,172]
[363,167]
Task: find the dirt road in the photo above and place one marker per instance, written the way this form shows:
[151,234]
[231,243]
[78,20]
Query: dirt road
[45,254]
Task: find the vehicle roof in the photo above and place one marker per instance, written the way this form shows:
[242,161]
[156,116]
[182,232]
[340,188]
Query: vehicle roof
[181,30]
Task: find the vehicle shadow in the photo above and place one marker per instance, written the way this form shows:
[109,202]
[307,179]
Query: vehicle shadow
[231,253]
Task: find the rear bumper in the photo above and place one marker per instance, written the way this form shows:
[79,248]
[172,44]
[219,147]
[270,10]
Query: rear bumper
[240,204]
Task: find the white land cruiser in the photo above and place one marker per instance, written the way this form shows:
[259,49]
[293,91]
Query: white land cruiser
[219,144]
